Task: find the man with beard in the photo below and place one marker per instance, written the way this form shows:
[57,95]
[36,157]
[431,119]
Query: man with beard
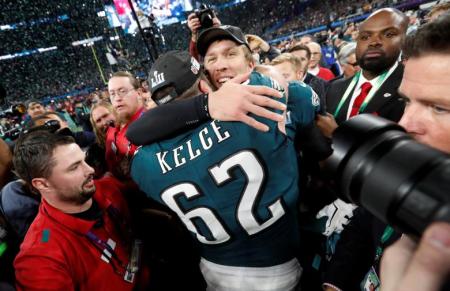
[374,89]
[80,239]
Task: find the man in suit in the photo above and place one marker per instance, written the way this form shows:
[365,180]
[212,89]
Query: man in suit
[363,242]
[374,90]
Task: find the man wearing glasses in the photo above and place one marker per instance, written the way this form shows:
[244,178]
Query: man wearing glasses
[126,98]
[347,60]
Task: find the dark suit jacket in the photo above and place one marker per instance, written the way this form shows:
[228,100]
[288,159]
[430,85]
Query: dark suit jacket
[320,86]
[386,102]
[356,249]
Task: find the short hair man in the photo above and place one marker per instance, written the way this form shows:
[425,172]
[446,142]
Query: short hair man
[79,238]
[307,38]
[35,108]
[319,85]
[242,249]
[125,95]
[227,54]
[222,48]
[362,242]
[374,89]
[303,53]
[426,88]
[314,67]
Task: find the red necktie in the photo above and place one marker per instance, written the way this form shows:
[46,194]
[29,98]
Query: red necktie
[365,88]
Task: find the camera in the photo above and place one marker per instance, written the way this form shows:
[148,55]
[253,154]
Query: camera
[50,125]
[15,110]
[205,14]
[378,166]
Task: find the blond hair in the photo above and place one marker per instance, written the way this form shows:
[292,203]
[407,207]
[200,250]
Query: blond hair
[133,81]
[100,136]
[289,58]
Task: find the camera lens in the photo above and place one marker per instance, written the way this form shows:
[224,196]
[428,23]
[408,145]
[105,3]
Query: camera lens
[380,167]
[206,19]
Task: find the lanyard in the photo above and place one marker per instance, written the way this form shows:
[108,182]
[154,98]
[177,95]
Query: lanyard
[119,223]
[372,92]
[388,231]
[127,271]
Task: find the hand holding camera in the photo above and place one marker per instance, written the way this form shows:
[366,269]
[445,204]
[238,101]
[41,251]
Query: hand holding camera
[202,18]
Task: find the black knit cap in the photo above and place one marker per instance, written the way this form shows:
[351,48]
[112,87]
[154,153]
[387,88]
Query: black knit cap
[212,34]
[175,68]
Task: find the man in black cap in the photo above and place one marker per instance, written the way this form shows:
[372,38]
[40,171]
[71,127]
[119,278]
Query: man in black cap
[231,185]
[226,53]
[231,102]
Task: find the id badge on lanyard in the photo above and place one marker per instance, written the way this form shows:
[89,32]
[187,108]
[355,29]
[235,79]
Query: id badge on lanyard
[371,282]
[135,261]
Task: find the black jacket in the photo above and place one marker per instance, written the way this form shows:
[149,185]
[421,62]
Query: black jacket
[386,102]
[320,86]
[355,251]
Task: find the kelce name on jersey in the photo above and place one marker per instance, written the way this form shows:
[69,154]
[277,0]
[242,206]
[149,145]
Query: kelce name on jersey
[186,152]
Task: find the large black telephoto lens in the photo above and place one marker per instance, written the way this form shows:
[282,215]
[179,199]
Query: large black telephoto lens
[381,168]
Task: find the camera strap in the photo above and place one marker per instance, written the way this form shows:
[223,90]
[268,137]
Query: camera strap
[387,234]
[372,281]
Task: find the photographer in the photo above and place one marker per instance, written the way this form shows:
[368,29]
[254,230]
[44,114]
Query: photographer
[427,117]
[425,89]
[195,26]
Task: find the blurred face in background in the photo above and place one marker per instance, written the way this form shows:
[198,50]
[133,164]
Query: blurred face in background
[102,118]
[351,66]
[316,54]
[305,40]
[226,59]
[302,55]
[35,109]
[42,121]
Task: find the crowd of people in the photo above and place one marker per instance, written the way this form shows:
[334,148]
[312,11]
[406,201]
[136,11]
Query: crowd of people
[208,172]
[44,30]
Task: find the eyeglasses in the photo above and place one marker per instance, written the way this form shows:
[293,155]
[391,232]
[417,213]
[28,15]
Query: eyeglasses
[355,64]
[120,93]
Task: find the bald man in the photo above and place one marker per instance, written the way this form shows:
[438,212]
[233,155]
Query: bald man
[355,263]
[314,67]
[378,49]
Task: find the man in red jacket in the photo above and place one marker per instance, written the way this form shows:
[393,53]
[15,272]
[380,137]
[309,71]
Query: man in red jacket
[125,94]
[80,239]
[314,67]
